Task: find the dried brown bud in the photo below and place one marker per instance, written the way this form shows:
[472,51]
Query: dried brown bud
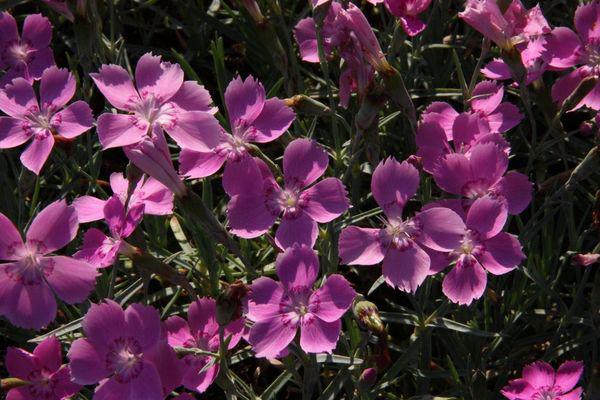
[229,302]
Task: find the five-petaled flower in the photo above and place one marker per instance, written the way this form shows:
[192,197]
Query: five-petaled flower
[29,119]
[31,277]
[278,309]
[48,378]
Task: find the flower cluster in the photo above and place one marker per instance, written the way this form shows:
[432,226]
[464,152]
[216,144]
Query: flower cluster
[173,134]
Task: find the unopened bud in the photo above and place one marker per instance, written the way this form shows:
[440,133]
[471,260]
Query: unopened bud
[415,161]
[368,316]
[254,10]
[367,378]
[583,260]
[303,104]
[229,302]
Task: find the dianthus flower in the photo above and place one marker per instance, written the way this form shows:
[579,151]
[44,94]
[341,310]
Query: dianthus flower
[29,119]
[399,243]
[253,119]
[124,352]
[48,378]
[257,200]
[201,331]
[31,277]
[28,55]
[540,382]
[279,309]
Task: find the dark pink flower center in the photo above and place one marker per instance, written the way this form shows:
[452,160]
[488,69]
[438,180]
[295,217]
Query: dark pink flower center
[124,358]
[29,271]
[38,123]
[470,246]
[234,148]
[295,306]
[43,385]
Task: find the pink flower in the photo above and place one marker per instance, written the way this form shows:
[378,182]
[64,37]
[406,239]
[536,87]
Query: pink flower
[253,119]
[278,309]
[481,172]
[123,351]
[254,207]
[483,247]
[29,119]
[30,279]
[26,56]
[539,381]
[201,331]
[398,244]
[49,379]
[156,198]
[486,17]
[348,31]
[101,250]
[160,98]
[408,12]
[569,49]
[584,260]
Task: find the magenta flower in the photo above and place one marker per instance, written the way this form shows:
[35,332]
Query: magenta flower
[160,97]
[31,277]
[481,172]
[122,351]
[408,12]
[253,119]
[254,207]
[569,49]
[101,250]
[399,243]
[348,31]
[201,331]
[483,247]
[278,309]
[49,379]
[539,382]
[29,119]
[156,198]
[516,25]
[25,56]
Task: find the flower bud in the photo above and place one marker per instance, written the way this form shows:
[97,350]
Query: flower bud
[229,302]
[305,105]
[368,316]
[253,9]
[583,260]
[367,378]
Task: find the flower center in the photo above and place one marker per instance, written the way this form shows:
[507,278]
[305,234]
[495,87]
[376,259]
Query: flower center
[28,271]
[401,233]
[476,188]
[39,122]
[124,358]
[234,148]
[592,54]
[547,393]
[20,52]
[292,202]
[42,384]
[470,245]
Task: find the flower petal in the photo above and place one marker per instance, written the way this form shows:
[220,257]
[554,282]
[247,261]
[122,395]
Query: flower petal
[506,117]
[326,200]
[104,322]
[270,336]
[441,228]
[12,132]
[244,99]
[297,266]
[115,84]
[195,130]
[193,97]
[502,254]
[73,120]
[487,216]
[564,47]
[452,173]
[196,164]
[299,230]
[117,130]
[304,161]
[35,155]
[361,246]
[72,280]
[540,374]
[465,282]
[33,306]
[202,316]
[568,374]
[54,227]
[333,299]
[487,96]
[89,208]
[57,87]
[37,31]
[249,216]
[264,299]
[10,240]
[274,119]
[18,98]
[318,336]
[87,362]
[143,324]
[406,269]
[49,353]
[20,363]
[393,184]
[156,79]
